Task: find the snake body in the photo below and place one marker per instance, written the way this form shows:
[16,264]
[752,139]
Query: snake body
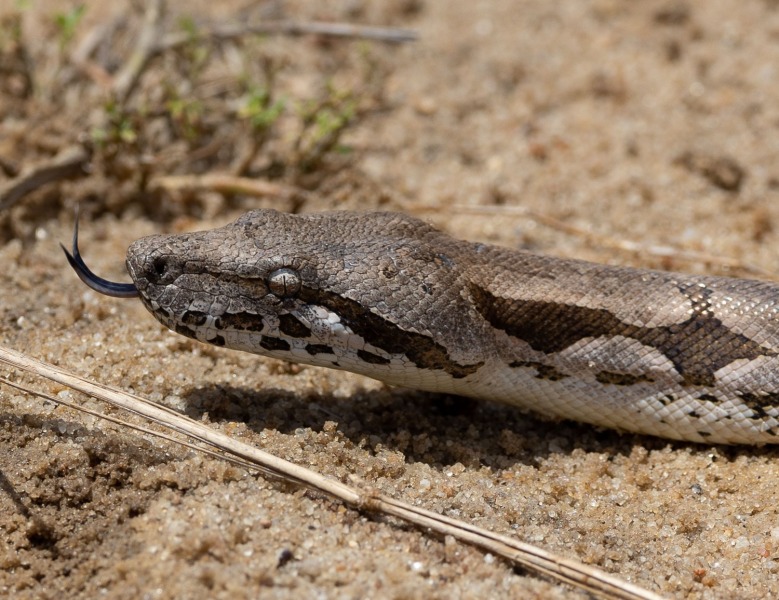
[382,294]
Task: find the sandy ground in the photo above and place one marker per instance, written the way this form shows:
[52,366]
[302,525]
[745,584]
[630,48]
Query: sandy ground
[651,122]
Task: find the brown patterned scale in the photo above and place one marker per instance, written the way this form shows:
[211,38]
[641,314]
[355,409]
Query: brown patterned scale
[386,295]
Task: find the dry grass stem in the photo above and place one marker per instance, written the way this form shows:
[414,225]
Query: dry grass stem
[607,241]
[70,162]
[389,35]
[521,554]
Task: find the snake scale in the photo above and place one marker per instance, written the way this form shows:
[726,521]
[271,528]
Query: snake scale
[383,294]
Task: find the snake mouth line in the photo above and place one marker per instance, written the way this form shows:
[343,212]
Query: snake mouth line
[85,274]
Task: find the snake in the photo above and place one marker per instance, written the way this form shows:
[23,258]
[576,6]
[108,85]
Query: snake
[383,294]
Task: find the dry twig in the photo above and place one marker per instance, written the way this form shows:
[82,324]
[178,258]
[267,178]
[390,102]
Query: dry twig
[68,163]
[604,240]
[128,76]
[519,553]
[389,35]
[224,184]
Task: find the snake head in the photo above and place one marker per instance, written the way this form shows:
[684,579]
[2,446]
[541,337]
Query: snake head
[344,290]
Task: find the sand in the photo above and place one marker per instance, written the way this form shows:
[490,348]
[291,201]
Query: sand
[653,123]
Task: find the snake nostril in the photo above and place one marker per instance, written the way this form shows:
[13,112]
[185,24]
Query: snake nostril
[159,266]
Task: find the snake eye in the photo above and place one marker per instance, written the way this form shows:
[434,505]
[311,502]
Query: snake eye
[284,283]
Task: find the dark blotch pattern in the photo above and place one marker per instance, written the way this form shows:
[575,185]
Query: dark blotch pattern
[708,398]
[194,318]
[760,403]
[372,358]
[242,321]
[184,330]
[542,371]
[272,343]
[314,349]
[697,347]
[290,325]
[609,377]
[381,333]
[217,340]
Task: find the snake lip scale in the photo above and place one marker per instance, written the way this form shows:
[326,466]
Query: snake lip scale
[680,356]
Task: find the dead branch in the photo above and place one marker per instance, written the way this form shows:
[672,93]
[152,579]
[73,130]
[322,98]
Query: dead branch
[128,76]
[225,184]
[71,162]
[598,239]
[390,35]
[519,553]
